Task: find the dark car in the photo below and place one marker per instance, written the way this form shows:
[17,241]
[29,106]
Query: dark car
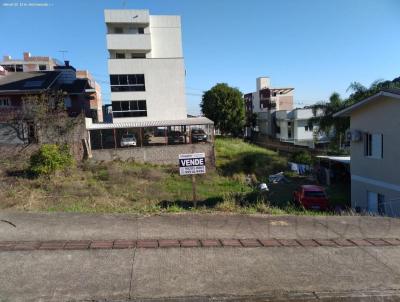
[175,137]
[311,197]
[198,135]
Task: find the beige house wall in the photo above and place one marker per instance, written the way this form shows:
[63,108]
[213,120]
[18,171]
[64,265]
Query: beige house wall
[382,116]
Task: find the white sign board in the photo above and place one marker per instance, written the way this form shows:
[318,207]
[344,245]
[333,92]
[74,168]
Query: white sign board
[194,163]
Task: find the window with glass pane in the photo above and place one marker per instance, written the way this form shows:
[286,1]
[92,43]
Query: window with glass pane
[114,79]
[116,106]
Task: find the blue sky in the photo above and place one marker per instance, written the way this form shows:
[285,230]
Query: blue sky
[315,46]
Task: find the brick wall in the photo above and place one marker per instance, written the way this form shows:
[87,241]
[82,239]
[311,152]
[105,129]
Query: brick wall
[155,154]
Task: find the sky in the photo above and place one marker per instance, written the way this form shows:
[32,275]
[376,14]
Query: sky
[315,46]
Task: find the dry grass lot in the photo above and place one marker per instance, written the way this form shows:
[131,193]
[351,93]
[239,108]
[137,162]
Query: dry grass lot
[128,187]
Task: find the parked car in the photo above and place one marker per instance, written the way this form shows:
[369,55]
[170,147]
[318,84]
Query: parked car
[175,137]
[198,135]
[311,197]
[128,140]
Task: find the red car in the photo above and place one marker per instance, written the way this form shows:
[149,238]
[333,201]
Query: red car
[311,197]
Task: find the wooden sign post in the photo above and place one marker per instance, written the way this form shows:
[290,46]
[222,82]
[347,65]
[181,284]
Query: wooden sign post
[192,164]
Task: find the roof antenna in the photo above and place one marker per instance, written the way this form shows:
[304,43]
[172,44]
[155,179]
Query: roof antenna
[63,53]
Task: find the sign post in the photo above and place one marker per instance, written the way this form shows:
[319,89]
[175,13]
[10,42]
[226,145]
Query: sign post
[192,164]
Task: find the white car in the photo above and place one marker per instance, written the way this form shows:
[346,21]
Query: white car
[128,140]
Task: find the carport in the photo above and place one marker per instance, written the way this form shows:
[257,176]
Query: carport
[333,169]
[148,133]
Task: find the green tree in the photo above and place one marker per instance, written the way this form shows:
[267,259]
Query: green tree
[323,117]
[360,92]
[225,106]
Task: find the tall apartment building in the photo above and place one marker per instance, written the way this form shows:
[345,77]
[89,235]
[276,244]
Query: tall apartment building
[146,66]
[265,101]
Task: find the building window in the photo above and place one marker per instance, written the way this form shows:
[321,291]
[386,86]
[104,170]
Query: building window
[381,204]
[138,55]
[5,102]
[19,68]
[10,68]
[141,30]
[42,67]
[127,82]
[118,30]
[135,108]
[373,145]
[120,55]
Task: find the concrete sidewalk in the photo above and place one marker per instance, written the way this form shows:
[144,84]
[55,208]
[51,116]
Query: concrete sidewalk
[69,226]
[318,273]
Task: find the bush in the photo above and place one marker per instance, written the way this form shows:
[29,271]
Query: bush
[49,159]
[302,157]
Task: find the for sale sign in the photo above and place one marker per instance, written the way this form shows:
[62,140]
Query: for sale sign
[194,163]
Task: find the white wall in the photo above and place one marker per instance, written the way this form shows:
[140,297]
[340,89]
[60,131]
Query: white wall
[129,41]
[126,16]
[165,87]
[166,39]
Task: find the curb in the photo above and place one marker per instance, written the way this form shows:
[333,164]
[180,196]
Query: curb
[7,246]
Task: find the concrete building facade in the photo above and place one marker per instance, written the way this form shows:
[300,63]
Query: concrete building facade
[375,149]
[146,66]
[265,101]
[28,63]
[293,127]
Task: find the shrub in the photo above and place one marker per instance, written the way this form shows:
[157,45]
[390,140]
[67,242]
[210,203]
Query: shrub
[302,157]
[49,159]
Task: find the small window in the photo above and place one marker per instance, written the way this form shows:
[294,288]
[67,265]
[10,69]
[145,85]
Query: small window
[142,105]
[132,79]
[125,106]
[116,106]
[138,55]
[123,79]
[373,145]
[118,30]
[381,204]
[42,67]
[5,102]
[140,78]
[19,68]
[114,79]
[120,55]
[141,30]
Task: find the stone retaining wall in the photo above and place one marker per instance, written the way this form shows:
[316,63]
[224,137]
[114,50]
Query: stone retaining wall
[155,154]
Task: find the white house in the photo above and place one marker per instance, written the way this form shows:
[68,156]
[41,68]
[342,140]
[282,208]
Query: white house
[293,127]
[375,150]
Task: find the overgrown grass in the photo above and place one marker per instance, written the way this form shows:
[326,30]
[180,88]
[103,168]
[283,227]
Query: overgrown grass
[234,156]
[128,187]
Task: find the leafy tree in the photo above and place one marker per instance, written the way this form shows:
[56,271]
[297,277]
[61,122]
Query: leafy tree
[47,113]
[302,157]
[225,106]
[328,124]
[360,92]
[323,116]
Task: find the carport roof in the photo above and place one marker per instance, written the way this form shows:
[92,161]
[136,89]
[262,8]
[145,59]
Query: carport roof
[340,159]
[190,121]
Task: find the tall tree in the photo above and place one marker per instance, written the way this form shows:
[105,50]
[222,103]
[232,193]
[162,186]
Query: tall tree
[323,117]
[225,106]
[360,92]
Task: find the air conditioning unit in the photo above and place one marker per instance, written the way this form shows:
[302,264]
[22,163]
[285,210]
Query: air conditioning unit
[354,135]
